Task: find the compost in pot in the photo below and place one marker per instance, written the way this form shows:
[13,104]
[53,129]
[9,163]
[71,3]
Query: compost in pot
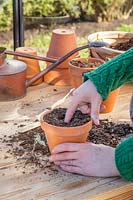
[57,116]
[85,64]
[123,46]
[58,132]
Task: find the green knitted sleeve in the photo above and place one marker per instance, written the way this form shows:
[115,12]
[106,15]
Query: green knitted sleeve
[124,159]
[112,74]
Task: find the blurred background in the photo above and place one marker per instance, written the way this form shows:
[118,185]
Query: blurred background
[83,16]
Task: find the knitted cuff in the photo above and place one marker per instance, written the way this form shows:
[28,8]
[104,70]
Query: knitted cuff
[112,74]
[124,159]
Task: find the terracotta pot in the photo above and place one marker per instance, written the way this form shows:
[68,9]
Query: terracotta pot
[76,76]
[60,77]
[57,135]
[33,67]
[111,100]
[76,72]
[62,42]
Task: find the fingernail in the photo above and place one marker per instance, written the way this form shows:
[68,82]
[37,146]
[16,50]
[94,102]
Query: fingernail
[50,158]
[97,122]
[66,120]
[52,151]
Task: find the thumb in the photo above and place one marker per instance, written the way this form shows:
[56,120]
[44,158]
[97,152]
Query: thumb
[95,109]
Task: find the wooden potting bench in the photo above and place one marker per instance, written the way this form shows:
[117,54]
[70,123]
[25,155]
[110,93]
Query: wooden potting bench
[20,116]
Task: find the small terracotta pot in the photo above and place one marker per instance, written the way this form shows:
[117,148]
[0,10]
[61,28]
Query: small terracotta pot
[76,72]
[76,76]
[57,135]
[33,67]
[62,42]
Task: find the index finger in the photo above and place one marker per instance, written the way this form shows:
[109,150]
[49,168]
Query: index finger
[71,109]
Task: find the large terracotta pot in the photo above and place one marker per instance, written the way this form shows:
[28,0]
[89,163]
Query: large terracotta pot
[33,67]
[112,38]
[57,135]
[62,42]
[76,76]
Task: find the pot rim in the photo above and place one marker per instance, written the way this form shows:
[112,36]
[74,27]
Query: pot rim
[115,34]
[60,127]
[89,68]
[110,35]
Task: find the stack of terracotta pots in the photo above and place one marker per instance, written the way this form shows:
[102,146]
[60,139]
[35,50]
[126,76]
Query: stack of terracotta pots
[62,42]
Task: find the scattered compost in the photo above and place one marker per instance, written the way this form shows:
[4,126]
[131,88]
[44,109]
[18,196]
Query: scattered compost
[110,133]
[56,118]
[31,147]
[123,46]
[85,64]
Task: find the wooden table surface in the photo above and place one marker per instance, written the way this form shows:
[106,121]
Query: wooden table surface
[15,185]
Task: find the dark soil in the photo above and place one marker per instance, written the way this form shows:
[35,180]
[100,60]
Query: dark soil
[123,46]
[56,118]
[26,148]
[82,64]
[110,133]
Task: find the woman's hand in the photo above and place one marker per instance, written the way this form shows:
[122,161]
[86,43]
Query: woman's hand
[85,158]
[87,99]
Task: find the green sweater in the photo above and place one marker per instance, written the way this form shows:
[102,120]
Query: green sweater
[106,78]
[112,74]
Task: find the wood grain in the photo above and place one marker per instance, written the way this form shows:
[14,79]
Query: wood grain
[121,193]
[15,185]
